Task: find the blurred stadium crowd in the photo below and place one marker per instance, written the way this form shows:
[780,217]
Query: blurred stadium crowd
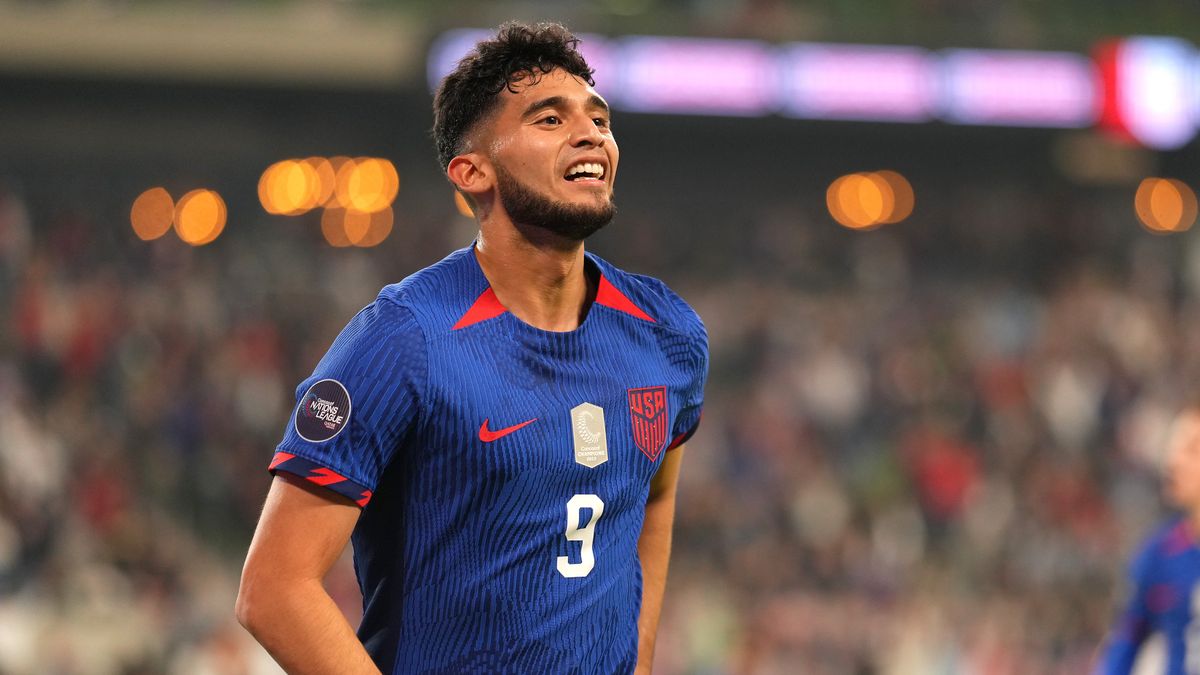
[926,449]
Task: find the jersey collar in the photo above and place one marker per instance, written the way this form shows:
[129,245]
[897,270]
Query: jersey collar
[487,305]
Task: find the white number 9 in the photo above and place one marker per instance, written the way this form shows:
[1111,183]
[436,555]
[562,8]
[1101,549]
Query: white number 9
[584,535]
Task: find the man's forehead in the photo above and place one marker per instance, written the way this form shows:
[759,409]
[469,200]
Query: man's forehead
[539,85]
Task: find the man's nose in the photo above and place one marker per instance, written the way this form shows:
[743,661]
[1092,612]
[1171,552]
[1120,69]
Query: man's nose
[586,133]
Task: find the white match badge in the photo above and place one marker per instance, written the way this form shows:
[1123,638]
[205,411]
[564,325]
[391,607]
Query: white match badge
[591,440]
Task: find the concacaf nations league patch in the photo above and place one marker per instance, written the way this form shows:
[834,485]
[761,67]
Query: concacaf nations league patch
[323,412]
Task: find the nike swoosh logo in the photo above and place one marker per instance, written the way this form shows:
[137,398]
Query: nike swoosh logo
[487,435]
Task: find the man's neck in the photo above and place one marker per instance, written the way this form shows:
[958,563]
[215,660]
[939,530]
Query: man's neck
[546,286]
[1193,524]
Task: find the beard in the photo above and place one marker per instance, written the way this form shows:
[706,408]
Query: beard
[529,209]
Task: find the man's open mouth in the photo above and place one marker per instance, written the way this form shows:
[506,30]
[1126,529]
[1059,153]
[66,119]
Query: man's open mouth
[585,171]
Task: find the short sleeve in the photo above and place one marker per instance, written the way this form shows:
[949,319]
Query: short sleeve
[1134,623]
[355,410]
[688,419]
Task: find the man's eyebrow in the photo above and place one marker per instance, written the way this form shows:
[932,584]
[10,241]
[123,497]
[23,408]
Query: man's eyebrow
[593,101]
[597,102]
[549,102]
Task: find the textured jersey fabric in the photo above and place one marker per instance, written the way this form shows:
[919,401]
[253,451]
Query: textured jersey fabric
[1164,600]
[503,470]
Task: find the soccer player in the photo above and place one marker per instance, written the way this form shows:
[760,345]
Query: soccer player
[500,434]
[1164,575]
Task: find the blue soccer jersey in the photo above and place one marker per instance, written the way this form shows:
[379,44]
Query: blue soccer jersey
[502,470]
[1165,600]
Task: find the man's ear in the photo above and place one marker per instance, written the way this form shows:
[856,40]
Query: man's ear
[472,173]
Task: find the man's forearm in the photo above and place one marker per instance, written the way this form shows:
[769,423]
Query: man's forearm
[654,549]
[302,628]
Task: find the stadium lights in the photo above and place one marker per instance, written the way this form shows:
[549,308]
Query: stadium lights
[1145,88]
[343,228]
[852,82]
[152,214]
[199,217]
[1152,90]
[356,195]
[296,186]
[865,201]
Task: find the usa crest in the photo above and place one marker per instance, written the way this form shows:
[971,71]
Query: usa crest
[648,413]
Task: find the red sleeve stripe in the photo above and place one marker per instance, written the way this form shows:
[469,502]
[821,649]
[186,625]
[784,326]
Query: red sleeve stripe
[682,438]
[279,458]
[323,476]
[320,475]
[678,441]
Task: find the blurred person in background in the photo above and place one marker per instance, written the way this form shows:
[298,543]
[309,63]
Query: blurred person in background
[537,541]
[1165,598]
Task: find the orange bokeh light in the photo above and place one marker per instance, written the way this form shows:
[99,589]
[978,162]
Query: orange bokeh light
[1165,205]
[856,201]
[902,194]
[200,217]
[152,214]
[864,201]
[367,184]
[333,227]
[347,227]
[378,229]
[291,187]
[326,180]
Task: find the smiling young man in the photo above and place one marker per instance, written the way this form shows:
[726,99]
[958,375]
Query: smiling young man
[501,433]
[1165,593]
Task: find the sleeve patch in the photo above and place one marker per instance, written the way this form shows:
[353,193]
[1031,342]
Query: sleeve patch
[323,411]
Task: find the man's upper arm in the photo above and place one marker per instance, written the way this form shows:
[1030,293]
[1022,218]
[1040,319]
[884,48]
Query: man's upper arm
[302,531]
[667,477]
[361,402]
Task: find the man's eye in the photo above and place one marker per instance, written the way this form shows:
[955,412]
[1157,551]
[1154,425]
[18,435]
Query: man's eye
[550,120]
[601,122]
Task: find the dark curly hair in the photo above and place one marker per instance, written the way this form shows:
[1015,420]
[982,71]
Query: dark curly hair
[472,91]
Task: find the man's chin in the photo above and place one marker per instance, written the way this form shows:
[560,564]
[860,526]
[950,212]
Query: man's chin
[551,220]
[577,224]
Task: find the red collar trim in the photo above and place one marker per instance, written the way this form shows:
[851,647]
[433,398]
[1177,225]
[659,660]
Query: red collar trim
[1180,538]
[487,305]
[609,296]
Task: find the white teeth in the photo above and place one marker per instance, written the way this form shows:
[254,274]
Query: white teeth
[593,169]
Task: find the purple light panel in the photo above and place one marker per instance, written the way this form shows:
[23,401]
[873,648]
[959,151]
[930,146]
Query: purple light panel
[1018,88]
[448,49]
[692,76]
[859,82]
[599,54]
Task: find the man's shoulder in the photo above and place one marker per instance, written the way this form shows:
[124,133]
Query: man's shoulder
[663,305]
[1172,538]
[436,294]
[1168,540]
